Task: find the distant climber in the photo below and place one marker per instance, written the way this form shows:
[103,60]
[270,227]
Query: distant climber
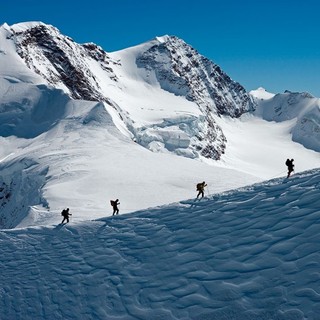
[290,165]
[200,188]
[114,204]
[65,213]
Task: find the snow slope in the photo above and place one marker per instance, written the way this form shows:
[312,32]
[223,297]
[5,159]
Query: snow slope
[251,253]
[11,65]
[70,153]
[260,148]
[301,110]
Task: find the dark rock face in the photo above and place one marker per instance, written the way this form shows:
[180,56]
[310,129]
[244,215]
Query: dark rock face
[180,69]
[42,44]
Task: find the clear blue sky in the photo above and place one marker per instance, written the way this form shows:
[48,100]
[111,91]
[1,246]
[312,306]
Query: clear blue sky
[270,43]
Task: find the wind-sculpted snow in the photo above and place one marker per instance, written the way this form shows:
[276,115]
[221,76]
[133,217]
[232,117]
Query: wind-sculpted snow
[252,253]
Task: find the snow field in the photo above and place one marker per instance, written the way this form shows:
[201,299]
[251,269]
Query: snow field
[260,148]
[250,253]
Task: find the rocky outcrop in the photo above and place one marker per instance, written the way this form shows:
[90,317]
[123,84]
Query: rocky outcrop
[180,69]
[62,62]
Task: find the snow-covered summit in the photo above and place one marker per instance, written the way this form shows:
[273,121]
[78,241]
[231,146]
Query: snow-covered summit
[168,64]
[59,60]
[163,39]
[182,70]
[24,26]
[261,93]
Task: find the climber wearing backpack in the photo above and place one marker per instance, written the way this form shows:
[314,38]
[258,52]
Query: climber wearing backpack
[114,204]
[200,189]
[65,213]
[290,165]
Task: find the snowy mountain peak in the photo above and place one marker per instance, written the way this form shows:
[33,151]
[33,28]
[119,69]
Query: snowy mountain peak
[87,72]
[163,39]
[300,94]
[59,60]
[180,69]
[4,26]
[261,93]
[166,64]
[24,26]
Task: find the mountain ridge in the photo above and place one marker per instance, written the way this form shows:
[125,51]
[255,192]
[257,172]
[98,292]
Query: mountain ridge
[302,108]
[66,65]
[86,71]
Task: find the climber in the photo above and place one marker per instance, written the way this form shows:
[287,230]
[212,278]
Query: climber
[200,188]
[114,205]
[65,213]
[290,165]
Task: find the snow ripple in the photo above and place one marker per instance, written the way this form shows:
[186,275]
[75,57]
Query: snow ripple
[248,254]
